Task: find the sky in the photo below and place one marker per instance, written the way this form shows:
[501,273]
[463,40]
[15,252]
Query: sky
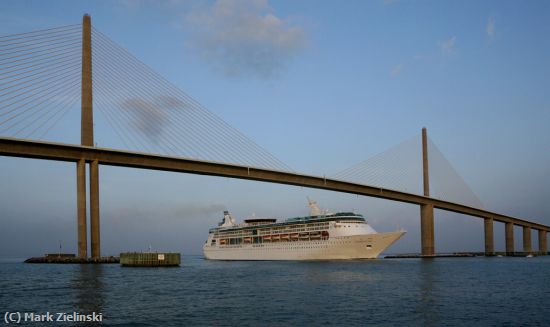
[321,85]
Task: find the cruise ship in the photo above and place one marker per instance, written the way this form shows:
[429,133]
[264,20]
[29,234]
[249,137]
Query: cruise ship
[320,236]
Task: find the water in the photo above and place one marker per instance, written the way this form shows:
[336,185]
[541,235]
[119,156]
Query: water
[391,292]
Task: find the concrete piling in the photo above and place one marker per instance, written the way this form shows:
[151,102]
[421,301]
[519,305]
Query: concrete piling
[509,235]
[543,242]
[81,208]
[527,239]
[94,209]
[489,239]
[427,229]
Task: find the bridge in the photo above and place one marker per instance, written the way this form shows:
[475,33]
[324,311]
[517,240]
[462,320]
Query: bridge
[24,56]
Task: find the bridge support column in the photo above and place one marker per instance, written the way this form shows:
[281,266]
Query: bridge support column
[489,239]
[509,230]
[543,242]
[527,239]
[81,208]
[94,209]
[427,229]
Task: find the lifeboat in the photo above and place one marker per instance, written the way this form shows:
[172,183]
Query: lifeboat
[285,237]
[294,236]
[304,235]
[275,238]
[315,235]
[247,240]
[223,242]
[267,238]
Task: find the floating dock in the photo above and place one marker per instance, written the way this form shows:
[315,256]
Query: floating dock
[148,259]
[70,258]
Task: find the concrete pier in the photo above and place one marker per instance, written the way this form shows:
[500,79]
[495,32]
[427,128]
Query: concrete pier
[426,210]
[543,242]
[81,208]
[427,229]
[94,209]
[527,239]
[509,234]
[489,239]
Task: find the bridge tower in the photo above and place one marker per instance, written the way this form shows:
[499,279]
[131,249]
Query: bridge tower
[87,139]
[426,210]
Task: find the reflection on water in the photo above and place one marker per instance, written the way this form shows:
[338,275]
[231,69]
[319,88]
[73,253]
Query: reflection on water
[349,276]
[89,288]
[427,305]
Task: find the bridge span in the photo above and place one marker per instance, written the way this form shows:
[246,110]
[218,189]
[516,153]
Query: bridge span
[95,156]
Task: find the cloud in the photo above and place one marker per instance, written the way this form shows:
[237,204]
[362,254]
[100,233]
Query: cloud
[244,37]
[447,46]
[151,116]
[396,71]
[491,27]
[167,212]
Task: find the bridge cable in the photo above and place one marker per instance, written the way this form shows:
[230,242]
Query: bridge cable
[35,33]
[158,86]
[57,91]
[63,109]
[213,129]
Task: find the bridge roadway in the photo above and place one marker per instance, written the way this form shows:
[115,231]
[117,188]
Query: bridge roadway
[67,152]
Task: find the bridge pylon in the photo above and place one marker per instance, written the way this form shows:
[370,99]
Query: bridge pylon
[87,139]
[426,210]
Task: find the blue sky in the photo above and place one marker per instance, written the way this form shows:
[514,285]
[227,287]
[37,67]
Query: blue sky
[321,85]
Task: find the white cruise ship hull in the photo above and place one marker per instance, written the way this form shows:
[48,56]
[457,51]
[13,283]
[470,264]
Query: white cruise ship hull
[366,246]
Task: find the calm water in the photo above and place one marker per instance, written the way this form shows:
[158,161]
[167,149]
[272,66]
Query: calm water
[396,292]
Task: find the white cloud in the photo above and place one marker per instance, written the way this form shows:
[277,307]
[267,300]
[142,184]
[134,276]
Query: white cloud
[396,71]
[491,27]
[244,37]
[447,46]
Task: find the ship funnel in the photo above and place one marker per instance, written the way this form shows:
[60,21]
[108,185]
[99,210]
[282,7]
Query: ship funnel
[314,209]
[227,220]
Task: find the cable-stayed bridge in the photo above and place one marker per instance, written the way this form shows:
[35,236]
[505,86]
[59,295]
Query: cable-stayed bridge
[46,74]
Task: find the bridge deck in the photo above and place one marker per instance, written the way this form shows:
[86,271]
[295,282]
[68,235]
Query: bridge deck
[67,152]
